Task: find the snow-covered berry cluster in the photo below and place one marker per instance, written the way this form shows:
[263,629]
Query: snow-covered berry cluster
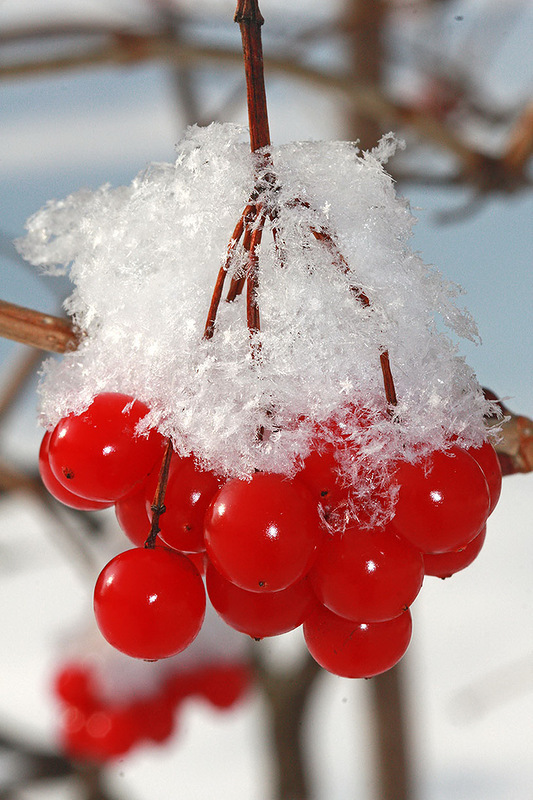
[325,453]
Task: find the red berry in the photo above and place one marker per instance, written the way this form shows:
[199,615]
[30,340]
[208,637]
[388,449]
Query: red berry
[259,614]
[223,684]
[188,494]
[149,603]
[101,735]
[199,560]
[156,718]
[356,650]
[487,458]
[98,455]
[320,473]
[443,502]
[180,685]
[133,517]
[56,489]
[367,575]
[263,534]
[74,685]
[444,565]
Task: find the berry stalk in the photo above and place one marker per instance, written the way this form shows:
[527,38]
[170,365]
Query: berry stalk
[249,18]
[158,506]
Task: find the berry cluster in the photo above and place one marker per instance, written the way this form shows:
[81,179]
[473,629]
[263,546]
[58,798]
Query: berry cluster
[95,728]
[272,562]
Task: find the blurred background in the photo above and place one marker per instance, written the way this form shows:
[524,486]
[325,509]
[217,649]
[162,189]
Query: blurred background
[90,93]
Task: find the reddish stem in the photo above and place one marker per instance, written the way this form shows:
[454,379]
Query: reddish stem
[388,381]
[250,20]
[219,285]
[158,506]
[252,307]
[237,282]
[251,223]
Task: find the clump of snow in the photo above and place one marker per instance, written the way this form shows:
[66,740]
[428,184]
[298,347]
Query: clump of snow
[144,259]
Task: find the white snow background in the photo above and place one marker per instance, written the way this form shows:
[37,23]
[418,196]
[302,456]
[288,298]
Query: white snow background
[470,665]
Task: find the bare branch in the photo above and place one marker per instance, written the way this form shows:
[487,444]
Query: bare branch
[122,48]
[37,329]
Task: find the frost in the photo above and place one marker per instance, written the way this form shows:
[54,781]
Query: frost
[144,259]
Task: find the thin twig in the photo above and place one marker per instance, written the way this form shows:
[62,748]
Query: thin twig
[252,306]
[37,329]
[219,285]
[237,282]
[158,506]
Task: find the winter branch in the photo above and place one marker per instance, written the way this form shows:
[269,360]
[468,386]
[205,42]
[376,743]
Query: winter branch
[37,329]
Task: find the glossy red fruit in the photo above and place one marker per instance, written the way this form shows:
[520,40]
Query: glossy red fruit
[57,489]
[259,614]
[320,471]
[321,475]
[263,534]
[443,501]
[367,575]
[133,517]
[98,455]
[356,650]
[189,492]
[487,458]
[149,603]
[444,565]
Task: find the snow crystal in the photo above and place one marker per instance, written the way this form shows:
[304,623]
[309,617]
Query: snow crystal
[144,260]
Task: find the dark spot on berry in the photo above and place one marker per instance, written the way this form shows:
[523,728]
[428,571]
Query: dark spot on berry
[68,473]
[261,583]
[187,528]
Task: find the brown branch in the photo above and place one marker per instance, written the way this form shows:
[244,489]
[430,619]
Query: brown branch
[14,480]
[393,761]
[288,694]
[515,446]
[520,143]
[37,329]
[370,101]
[25,368]
[364,24]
